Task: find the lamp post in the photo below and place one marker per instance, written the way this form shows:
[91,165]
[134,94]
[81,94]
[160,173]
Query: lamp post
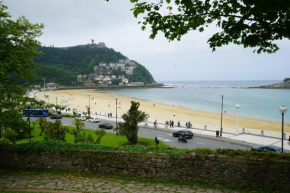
[237,106]
[89,108]
[116,113]
[43,86]
[110,107]
[221,131]
[28,104]
[55,101]
[283,110]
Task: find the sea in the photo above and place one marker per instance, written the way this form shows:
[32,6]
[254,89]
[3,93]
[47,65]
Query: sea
[207,96]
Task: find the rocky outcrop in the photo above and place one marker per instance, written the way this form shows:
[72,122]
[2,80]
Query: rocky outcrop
[280,85]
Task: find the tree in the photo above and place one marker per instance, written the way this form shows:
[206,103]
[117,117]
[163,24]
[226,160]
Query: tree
[55,131]
[42,124]
[79,124]
[130,127]
[17,48]
[251,23]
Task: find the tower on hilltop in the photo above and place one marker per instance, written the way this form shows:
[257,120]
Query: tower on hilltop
[93,41]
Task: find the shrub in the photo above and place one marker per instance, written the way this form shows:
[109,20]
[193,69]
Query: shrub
[10,135]
[4,141]
[83,138]
[55,131]
[100,133]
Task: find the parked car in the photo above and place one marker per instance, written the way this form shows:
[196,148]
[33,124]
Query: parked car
[94,120]
[188,134]
[106,126]
[267,148]
[81,117]
[55,116]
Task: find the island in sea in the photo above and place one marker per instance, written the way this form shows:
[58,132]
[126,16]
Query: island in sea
[281,85]
[90,65]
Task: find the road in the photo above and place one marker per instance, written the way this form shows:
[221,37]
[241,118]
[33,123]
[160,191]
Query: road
[166,137]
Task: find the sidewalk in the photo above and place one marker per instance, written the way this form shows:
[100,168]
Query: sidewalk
[66,183]
[250,136]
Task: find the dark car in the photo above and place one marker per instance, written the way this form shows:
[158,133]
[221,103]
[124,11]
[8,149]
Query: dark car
[267,148]
[56,116]
[106,126]
[188,134]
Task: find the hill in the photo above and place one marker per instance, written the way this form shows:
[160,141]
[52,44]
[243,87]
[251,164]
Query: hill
[80,65]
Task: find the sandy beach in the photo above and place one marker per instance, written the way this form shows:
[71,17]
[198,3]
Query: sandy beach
[101,102]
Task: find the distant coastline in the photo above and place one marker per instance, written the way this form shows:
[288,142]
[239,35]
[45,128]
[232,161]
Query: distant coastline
[158,85]
[280,85]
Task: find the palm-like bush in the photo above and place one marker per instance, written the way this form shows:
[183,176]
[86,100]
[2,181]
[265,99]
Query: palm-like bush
[100,133]
[130,127]
[79,124]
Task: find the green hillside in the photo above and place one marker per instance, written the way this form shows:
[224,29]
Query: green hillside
[62,65]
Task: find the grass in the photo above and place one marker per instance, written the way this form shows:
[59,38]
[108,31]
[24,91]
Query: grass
[110,139]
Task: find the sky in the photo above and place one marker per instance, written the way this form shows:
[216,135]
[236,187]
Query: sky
[76,22]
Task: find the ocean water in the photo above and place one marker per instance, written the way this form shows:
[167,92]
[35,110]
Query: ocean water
[206,96]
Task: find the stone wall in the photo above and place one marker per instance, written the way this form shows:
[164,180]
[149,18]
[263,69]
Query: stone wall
[239,170]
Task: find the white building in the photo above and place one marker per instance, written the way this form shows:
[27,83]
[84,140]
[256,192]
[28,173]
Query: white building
[122,61]
[102,64]
[125,80]
[96,68]
[129,72]
[112,65]
[120,65]
[127,61]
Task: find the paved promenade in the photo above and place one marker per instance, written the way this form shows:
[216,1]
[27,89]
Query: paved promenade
[250,136]
[66,183]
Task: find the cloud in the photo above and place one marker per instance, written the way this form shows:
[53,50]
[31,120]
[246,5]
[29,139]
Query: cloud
[75,22]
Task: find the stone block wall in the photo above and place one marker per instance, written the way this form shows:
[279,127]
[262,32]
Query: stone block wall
[238,170]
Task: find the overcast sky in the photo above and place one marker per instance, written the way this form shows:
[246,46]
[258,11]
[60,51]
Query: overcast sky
[75,22]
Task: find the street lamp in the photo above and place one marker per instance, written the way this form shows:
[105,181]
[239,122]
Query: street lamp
[116,114]
[237,106]
[55,101]
[89,109]
[28,104]
[110,107]
[43,86]
[221,131]
[283,110]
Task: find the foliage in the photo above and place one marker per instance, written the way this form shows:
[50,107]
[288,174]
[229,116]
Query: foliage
[55,131]
[17,49]
[63,65]
[42,124]
[11,135]
[4,141]
[141,74]
[13,119]
[78,123]
[51,146]
[100,134]
[129,127]
[286,79]
[116,81]
[251,23]
[83,138]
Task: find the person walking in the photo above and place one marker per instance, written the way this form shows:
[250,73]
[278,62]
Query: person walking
[156,141]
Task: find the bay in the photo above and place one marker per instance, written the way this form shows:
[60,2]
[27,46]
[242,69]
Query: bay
[206,96]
